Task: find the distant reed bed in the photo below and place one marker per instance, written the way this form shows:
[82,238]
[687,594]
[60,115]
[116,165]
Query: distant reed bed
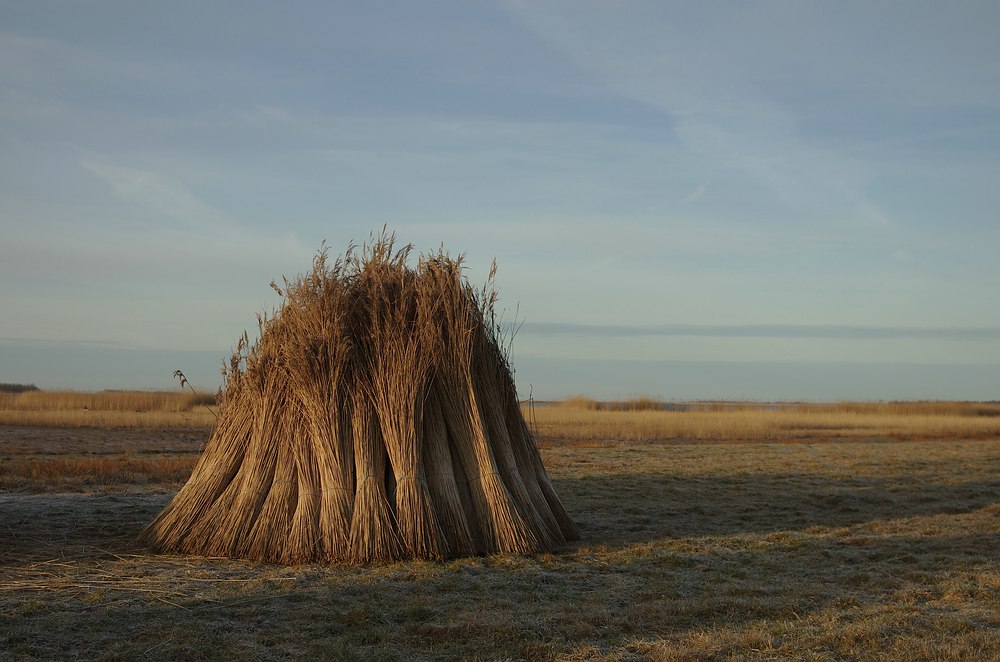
[585,419]
[580,418]
[115,409]
[131,401]
[638,403]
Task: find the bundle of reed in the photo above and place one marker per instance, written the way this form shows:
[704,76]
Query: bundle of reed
[400,371]
[451,330]
[317,363]
[374,419]
[374,534]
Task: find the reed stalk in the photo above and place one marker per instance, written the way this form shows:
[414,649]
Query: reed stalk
[374,419]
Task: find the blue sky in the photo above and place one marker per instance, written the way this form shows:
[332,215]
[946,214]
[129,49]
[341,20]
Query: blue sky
[768,200]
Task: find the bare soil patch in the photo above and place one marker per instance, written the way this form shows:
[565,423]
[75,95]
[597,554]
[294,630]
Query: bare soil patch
[26,440]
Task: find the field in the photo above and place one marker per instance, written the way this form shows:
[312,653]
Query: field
[848,531]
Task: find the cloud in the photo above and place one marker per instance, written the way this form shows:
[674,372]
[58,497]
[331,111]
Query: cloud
[605,263]
[734,97]
[262,116]
[846,332]
[167,197]
[695,195]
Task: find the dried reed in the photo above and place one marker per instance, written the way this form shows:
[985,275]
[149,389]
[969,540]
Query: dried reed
[374,419]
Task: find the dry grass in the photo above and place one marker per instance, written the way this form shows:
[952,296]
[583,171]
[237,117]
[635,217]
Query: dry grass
[729,422]
[107,409]
[53,474]
[199,417]
[124,401]
[586,403]
[49,459]
[872,536]
[912,408]
[690,551]
[579,402]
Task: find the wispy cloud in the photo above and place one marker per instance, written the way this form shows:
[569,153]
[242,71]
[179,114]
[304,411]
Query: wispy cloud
[261,116]
[604,263]
[696,194]
[844,332]
[165,196]
[726,83]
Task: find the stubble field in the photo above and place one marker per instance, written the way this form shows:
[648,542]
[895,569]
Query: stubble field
[862,535]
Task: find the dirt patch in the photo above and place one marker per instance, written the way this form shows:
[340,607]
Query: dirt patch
[23,440]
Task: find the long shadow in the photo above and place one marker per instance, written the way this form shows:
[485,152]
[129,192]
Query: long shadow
[39,527]
[622,508]
[611,509]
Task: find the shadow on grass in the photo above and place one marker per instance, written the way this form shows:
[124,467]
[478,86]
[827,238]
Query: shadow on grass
[627,508]
[612,510]
[40,527]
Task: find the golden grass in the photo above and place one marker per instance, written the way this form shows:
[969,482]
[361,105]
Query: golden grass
[576,418]
[107,409]
[198,417]
[746,422]
[911,408]
[582,402]
[125,401]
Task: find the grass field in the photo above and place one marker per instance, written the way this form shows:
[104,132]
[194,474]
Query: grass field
[865,536]
[578,418]
[763,423]
[107,409]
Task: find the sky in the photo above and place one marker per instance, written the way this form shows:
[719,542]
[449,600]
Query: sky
[742,200]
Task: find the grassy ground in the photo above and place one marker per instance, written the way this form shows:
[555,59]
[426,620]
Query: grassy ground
[578,418]
[855,549]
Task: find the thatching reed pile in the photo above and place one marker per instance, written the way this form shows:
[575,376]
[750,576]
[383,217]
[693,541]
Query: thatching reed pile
[375,419]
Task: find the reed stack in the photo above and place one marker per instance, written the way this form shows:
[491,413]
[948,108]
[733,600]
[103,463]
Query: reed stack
[374,419]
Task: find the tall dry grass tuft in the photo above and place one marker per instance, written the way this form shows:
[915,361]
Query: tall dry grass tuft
[374,534]
[579,402]
[7,387]
[585,403]
[638,403]
[374,419]
[399,375]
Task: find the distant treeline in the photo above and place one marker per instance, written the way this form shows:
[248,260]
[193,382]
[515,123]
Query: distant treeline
[17,388]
